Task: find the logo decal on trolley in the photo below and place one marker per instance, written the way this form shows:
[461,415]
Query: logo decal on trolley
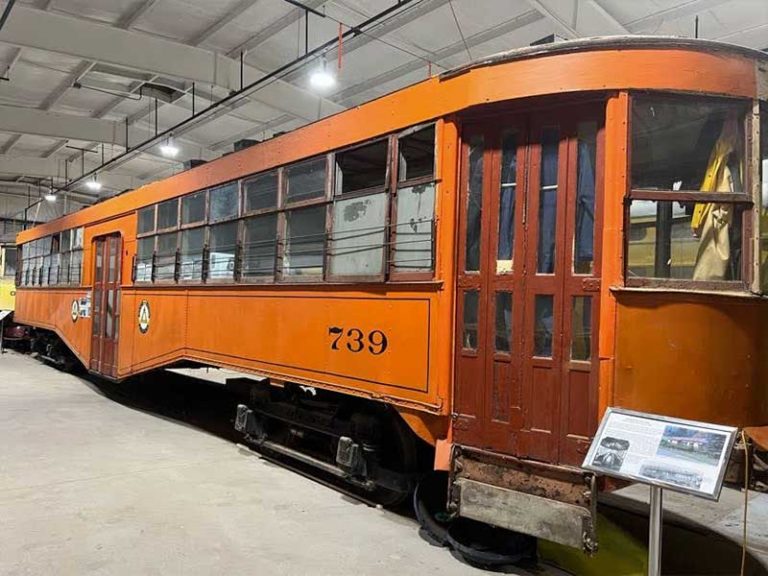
[144,316]
[74,311]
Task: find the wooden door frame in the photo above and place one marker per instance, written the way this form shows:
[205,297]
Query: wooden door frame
[562,283]
[103,243]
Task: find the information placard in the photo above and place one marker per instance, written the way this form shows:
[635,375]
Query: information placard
[671,453]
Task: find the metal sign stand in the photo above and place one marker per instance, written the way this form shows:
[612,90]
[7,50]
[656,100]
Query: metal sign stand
[654,531]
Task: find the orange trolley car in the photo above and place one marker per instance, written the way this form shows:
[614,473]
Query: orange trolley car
[484,261]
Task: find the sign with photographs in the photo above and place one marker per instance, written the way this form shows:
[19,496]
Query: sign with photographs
[671,453]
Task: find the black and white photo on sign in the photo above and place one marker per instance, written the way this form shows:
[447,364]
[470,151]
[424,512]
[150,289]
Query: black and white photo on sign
[610,453]
[671,474]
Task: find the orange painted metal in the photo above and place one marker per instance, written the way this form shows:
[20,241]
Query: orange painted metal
[695,356]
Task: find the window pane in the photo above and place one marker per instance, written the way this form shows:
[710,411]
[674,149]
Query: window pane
[192,243]
[77,238]
[359,236]
[261,192]
[168,214]
[413,229]
[146,220]
[144,249]
[10,261]
[222,243]
[663,244]
[507,198]
[543,324]
[474,204]
[305,241]
[114,269]
[550,141]
[764,211]
[583,248]
[66,241]
[503,321]
[417,154]
[361,168]
[306,180]
[55,273]
[193,208]
[224,202]
[165,261]
[581,328]
[676,142]
[260,248]
[469,339]
[76,267]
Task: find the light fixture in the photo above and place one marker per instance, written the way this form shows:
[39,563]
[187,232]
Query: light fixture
[50,196]
[169,149]
[322,79]
[94,184]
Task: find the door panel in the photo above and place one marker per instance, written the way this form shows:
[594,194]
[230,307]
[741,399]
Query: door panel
[528,284]
[106,304]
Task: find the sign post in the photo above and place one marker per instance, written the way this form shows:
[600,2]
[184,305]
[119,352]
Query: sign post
[655,527]
[666,453]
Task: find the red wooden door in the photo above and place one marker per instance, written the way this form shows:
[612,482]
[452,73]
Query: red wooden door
[526,381]
[106,304]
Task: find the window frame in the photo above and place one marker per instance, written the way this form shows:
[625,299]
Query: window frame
[436,179]
[386,188]
[196,223]
[284,207]
[178,215]
[745,199]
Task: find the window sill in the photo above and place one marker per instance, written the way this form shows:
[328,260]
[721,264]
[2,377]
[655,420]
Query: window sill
[725,293]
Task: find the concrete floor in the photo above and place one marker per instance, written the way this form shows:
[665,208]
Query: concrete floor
[92,486]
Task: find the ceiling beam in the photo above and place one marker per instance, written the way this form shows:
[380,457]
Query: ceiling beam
[579,19]
[18,120]
[273,28]
[232,14]
[29,27]
[51,168]
[511,25]
[132,17]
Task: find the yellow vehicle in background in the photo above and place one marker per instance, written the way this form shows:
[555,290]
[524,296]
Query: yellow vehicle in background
[7,277]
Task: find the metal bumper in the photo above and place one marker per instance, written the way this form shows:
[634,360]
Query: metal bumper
[551,502]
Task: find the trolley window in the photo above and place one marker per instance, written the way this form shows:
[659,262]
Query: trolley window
[688,199]
[305,181]
[146,220]
[193,208]
[261,192]
[358,239]
[414,210]
[168,214]
[9,266]
[764,199]
[224,202]
[304,242]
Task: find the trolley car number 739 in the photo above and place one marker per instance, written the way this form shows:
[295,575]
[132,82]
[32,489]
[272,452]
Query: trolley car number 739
[356,340]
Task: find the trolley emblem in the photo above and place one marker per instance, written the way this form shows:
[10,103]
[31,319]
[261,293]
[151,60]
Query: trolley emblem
[144,316]
[74,311]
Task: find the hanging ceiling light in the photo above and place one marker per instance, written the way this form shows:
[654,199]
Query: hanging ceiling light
[50,196]
[169,149]
[93,184]
[321,78]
